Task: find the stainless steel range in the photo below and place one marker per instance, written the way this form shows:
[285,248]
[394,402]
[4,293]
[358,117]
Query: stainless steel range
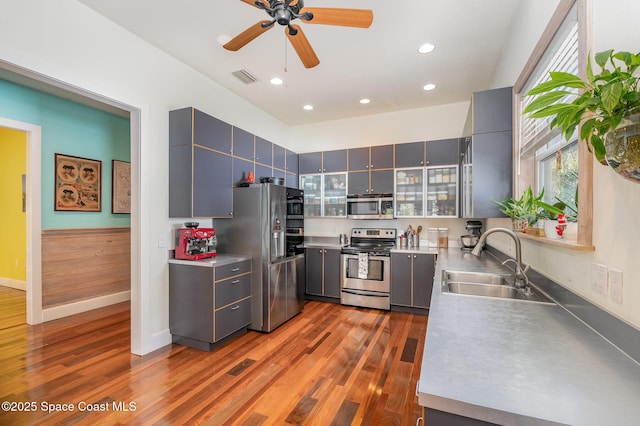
[365,270]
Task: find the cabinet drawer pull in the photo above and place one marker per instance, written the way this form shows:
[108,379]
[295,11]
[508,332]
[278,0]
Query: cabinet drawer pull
[235,308]
[235,281]
[235,269]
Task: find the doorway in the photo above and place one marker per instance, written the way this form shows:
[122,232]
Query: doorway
[13,249]
[29,78]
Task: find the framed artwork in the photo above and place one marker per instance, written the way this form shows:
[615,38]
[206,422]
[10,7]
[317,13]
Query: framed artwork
[121,187]
[78,184]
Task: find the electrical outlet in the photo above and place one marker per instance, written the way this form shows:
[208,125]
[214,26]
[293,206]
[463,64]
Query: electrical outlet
[615,285]
[599,278]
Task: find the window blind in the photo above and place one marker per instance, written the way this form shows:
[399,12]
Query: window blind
[562,55]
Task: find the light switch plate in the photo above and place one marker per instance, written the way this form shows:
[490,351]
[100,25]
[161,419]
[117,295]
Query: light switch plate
[615,285]
[599,278]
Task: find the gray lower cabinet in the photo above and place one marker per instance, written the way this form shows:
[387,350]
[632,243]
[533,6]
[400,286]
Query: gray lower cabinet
[412,279]
[208,304]
[323,272]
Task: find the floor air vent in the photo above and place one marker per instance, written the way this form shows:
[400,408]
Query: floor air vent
[245,76]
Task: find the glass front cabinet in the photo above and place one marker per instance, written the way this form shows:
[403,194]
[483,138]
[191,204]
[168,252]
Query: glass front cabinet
[409,192]
[325,195]
[426,192]
[442,191]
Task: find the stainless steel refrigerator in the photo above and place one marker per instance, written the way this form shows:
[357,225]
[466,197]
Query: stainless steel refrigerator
[258,228]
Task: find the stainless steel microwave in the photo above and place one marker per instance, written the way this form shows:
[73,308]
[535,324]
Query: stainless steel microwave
[370,206]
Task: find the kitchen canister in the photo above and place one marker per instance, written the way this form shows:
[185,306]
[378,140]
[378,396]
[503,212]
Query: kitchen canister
[443,237]
[432,237]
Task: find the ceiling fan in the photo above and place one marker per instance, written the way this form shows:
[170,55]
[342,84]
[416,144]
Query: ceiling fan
[283,12]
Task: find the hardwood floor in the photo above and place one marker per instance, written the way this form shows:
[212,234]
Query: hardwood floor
[13,307]
[329,365]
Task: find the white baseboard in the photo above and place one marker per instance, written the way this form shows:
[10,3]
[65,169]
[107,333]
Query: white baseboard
[62,311]
[17,284]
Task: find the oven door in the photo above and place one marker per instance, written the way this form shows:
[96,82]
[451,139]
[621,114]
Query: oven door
[378,276]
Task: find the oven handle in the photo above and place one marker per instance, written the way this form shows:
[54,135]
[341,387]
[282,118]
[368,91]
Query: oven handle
[352,256]
[365,293]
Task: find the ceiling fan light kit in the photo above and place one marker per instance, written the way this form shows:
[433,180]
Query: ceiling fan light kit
[283,12]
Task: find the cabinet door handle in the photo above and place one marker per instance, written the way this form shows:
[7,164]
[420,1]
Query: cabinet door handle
[320,251]
[414,256]
[235,269]
[235,308]
[408,256]
[235,281]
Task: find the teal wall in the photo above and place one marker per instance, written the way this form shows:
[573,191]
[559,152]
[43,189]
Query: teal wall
[73,129]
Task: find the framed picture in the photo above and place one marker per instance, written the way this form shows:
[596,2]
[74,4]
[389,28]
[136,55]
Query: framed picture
[121,187]
[78,184]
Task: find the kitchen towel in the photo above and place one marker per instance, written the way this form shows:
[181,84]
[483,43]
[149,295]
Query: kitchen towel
[363,265]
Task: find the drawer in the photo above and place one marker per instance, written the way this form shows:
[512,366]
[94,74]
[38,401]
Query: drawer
[232,318]
[232,269]
[232,289]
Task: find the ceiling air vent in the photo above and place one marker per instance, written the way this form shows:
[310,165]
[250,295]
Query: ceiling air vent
[245,76]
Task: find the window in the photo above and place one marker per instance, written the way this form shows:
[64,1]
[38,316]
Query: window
[545,158]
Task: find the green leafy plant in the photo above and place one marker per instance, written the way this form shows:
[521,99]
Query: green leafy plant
[604,98]
[527,207]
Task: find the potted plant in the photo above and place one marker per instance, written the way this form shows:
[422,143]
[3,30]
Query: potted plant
[604,109]
[526,210]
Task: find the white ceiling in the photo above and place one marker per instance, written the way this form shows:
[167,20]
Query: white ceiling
[380,62]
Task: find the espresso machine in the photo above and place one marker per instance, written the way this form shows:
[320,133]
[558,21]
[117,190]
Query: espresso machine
[474,230]
[193,243]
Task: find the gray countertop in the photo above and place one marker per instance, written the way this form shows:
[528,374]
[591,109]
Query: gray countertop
[515,362]
[219,260]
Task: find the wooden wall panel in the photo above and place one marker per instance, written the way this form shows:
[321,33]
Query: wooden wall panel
[80,264]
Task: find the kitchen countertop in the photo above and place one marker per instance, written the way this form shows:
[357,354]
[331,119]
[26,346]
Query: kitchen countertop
[517,362]
[219,260]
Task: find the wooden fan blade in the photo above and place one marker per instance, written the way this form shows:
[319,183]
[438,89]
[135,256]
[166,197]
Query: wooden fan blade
[303,48]
[253,2]
[246,36]
[360,18]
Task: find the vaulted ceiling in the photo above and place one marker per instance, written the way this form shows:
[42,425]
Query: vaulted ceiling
[380,63]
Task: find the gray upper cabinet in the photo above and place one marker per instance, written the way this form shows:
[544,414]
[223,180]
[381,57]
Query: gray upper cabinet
[334,161]
[243,142]
[211,184]
[359,159]
[442,152]
[358,182]
[210,132]
[409,154]
[263,171]
[310,163]
[491,161]
[200,178]
[381,157]
[492,110]
[381,181]
[279,157]
[291,162]
[264,151]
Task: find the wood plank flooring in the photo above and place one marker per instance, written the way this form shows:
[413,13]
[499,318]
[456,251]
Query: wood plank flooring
[330,365]
[13,307]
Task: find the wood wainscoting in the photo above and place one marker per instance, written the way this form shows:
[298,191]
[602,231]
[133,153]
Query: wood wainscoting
[84,263]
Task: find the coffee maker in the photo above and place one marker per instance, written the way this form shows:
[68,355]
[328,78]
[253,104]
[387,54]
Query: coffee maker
[474,230]
[193,243]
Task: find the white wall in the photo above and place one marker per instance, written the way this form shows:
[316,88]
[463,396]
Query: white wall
[69,42]
[440,122]
[616,201]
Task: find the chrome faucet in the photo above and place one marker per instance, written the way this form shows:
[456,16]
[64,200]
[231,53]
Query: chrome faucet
[520,278]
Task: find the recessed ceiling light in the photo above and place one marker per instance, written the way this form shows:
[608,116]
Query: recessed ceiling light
[308,107]
[365,101]
[426,48]
[223,39]
[276,81]
[429,86]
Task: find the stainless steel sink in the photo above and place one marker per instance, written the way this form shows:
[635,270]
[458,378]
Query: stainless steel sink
[488,285]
